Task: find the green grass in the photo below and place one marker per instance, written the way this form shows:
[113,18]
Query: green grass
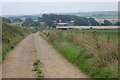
[12,35]
[95,52]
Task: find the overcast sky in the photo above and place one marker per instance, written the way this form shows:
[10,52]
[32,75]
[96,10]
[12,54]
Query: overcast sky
[28,8]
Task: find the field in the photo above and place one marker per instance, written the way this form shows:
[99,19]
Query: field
[88,27]
[94,51]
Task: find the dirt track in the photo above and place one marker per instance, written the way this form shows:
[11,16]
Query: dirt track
[18,62]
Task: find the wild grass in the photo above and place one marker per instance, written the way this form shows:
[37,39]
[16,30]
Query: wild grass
[37,69]
[95,52]
[12,35]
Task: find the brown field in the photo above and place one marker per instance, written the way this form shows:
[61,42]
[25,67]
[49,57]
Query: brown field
[88,27]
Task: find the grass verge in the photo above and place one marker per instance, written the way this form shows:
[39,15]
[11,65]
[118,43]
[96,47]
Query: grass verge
[95,52]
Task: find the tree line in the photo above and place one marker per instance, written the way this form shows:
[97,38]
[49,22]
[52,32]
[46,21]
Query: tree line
[51,20]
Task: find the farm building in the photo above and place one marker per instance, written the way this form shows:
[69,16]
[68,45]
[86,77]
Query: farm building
[62,24]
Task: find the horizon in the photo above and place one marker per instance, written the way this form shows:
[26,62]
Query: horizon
[53,13]
[28,8]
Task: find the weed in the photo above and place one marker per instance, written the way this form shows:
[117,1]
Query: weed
[37,69]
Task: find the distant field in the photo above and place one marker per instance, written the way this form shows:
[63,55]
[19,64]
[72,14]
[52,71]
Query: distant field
[110,19]
[88,27]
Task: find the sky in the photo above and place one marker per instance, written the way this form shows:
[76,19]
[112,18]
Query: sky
[29,8]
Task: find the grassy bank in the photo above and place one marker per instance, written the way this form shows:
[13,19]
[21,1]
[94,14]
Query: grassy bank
[12,35]
[0,43]
[95,52]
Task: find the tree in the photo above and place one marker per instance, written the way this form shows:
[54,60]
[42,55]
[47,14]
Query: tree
[49,23]
[51,19]
[81,21]
[107,23]
[6,20]
[92,22]
[117,23]
[35,24]
[28,22]
[40,19]
[17,20]
[44,17]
